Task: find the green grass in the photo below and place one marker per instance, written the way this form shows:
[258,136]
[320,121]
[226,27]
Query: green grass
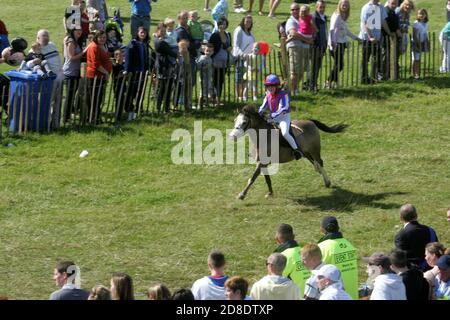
[127,208]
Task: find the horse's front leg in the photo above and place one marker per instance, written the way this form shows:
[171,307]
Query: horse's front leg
[255,175]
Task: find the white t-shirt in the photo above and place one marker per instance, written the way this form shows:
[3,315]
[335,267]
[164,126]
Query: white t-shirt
[208,288]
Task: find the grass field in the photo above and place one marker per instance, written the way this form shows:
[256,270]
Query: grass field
[127,208]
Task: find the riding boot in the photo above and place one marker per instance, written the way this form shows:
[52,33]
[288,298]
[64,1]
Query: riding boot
[298,154]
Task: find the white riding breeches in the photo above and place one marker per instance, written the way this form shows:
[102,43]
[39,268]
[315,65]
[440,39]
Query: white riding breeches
[284,121]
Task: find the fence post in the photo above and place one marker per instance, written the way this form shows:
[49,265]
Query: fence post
[393,58]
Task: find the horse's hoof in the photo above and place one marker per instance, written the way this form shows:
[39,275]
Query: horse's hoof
[241,196]
[269,195]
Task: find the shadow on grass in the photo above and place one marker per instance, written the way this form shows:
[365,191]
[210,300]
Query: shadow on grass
[342,200]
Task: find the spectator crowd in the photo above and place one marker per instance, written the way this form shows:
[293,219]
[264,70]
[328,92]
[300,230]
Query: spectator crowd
[184,49]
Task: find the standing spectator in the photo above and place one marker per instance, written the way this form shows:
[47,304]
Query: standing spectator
[340,252]
[238,6]
[338,39]
[420,42]
[320,44]
[51,54]
[159,292]
[206,8]
[414,236]
[312,260]
[221,40]
[84,21]
[443,278]
[288,247]
[250,6]
[444,38]
[195,29]
[387,285]
[140,15]
[66,274]
[393,23]
[416,286]
[274,286]
[433,251]
[447,7]
[100,292]
[119,83]
[205,65]
[100,6]
[403,12]
[253,67]
[113,37]
[243,40]
[183,33]
[4,41]
[298,48]
[72,16]
[137,62]
[273,5]
[165,63]
[171,35]
[373,18]
[220,10]
[99,67]
[122,287]
[329,283]
[236,288]
[212,287]
[73,53]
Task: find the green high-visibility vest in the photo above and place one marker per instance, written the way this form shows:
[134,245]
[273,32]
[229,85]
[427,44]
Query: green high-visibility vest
[295,270]
[343,255]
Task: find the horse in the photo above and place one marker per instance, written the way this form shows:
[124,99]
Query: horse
[305,132]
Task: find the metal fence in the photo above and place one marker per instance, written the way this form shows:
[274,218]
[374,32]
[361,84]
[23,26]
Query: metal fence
[184,87]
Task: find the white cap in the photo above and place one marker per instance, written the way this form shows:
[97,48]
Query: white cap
[328,271]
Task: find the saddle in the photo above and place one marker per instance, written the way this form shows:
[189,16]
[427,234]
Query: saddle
[283,142]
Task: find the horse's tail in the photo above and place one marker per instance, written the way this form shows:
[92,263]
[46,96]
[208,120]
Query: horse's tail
[334,129]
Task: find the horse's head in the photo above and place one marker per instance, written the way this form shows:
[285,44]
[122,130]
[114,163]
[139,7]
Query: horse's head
[243,121]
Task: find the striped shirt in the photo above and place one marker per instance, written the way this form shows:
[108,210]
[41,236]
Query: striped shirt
[276,103]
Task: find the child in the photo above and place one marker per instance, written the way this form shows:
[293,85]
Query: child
[419,40]
[204,64]
[278,102]
[84,20]
[306,26]
[252,72]
[444,38]
[36,62]
[220,10]
[118,78]
[171,35]
[196,30]
[14,54]
[180,86]
[114,38]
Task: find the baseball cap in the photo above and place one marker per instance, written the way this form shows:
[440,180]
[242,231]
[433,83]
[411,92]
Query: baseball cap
[330,224]
[443,262]
[328,271]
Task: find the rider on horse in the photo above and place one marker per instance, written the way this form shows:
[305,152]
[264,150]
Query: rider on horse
[279,104]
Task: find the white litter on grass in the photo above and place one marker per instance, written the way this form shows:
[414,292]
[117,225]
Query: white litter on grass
[84,153]
[10,145]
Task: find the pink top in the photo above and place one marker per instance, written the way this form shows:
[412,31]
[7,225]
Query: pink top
[305,25]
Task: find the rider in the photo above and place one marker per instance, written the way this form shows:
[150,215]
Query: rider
[279,104]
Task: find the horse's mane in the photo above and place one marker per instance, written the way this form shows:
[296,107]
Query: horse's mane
[249,109]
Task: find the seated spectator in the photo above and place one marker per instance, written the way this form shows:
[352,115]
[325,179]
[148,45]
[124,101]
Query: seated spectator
[66,274]
[416,286]
[122,287]
[100,292]
[387,285]
[443,278]
[330,284]
[236,288]
[212,287]
[183,294]
[433,251]
[274,286]
[414,236]
[159,292]
[312,260]
[35,61]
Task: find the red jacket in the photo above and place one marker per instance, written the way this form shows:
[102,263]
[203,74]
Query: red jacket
[97,57]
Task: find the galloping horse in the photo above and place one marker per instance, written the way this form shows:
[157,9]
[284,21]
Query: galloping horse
[305,132]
